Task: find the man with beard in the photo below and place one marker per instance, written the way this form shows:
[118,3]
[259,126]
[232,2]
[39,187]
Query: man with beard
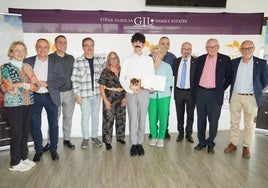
[184,71]
[86,73]
[250,77]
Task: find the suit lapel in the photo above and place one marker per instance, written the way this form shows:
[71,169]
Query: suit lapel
[255,67]
[49,68]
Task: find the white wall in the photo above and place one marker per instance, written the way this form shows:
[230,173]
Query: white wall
[234,6]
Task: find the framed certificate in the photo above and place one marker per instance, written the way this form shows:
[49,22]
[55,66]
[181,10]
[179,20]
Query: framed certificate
[154,81]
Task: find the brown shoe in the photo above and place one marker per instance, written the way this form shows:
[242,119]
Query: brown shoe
[246,153]
[231,147]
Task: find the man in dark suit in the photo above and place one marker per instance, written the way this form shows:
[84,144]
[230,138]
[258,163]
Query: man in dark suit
[183,72]
[51,77]
[213,76]
[250,77]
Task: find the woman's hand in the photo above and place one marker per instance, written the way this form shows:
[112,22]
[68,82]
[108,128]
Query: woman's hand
[151,90]
[123,102]
[107,104]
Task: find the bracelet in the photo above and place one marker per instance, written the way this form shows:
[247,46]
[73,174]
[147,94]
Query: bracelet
[26,86]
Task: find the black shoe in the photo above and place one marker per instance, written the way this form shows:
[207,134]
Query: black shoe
[54,155]
[150,136]
[167,135]
[121,141]
[133,150]
[211,150]
[180,137]
[199,147]
[37,157]
[140,150]
[189,138]
[46,148]
[108,146]
[69,144]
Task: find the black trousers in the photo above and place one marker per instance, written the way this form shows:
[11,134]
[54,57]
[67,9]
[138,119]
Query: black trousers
[207,108]
[19,120]
[183,98]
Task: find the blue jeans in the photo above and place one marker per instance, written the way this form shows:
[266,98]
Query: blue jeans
[52,117]
[90,108]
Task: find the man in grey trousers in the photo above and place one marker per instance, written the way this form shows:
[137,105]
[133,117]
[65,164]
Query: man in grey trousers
[66,93]
[133,71]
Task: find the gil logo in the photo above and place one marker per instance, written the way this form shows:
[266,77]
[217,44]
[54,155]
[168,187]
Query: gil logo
[143,21]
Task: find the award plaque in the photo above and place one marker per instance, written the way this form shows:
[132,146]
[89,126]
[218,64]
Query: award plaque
[135,84]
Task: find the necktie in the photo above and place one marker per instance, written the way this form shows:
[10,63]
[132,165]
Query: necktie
[183,74]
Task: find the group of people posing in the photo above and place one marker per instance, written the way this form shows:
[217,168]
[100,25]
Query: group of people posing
[57,81]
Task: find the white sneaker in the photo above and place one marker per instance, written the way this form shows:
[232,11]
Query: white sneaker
[29,163]
[160,143]
[152,142]
[21,167]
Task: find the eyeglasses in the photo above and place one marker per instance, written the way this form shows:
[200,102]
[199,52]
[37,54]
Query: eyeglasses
[88,45]
[187,49]
[247,49]
[212,47]
[113,58]
[42,47]
[19,51]
[156,53]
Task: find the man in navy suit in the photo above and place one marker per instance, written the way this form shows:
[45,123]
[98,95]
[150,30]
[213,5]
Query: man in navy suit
[183,93]
[213,76]
[250,77]
[51,77]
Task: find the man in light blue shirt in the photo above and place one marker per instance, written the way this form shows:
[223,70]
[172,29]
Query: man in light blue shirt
[249,78]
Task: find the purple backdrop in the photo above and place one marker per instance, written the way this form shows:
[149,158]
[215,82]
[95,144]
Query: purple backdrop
[68,21]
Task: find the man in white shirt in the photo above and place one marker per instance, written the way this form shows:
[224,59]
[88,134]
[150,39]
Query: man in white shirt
[51,78]
[133,71]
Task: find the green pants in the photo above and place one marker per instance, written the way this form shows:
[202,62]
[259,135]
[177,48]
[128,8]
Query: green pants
[158,112]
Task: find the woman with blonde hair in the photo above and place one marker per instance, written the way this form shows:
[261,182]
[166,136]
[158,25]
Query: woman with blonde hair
[114,101]
[18,81]
[159,102]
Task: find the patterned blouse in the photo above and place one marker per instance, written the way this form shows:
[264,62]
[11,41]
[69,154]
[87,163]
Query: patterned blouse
[10,75]
[110,80]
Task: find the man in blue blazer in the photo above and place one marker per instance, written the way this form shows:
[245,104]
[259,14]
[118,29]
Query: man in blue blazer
[250,77]
[213,76]
[51,77]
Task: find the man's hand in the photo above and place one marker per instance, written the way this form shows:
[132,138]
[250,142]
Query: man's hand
[79,100]
[42,83]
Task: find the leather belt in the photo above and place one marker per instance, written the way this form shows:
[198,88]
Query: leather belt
[184,89]
[250,94]
[117,89]
[41,94]
[207,88]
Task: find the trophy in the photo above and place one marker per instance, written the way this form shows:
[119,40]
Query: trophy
[135,84]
